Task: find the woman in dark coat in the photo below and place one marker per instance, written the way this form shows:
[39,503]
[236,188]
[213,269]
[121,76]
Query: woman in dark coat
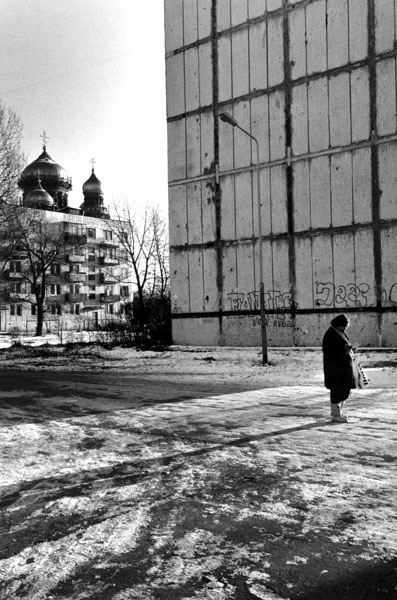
[338,368]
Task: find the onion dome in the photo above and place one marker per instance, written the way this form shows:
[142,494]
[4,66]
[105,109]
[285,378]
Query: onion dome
[93,185]
[54,179]
[38,197]
[93,205]
[48,170]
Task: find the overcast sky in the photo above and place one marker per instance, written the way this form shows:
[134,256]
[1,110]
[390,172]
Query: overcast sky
[90,73]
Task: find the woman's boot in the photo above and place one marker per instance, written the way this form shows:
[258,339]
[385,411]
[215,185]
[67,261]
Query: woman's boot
[341,405]
[336,414]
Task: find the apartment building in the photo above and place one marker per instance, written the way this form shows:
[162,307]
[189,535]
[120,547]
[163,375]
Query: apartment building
[310,90]
[88,281]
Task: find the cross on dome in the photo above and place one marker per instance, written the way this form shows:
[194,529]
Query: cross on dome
[92,164]
[45,138]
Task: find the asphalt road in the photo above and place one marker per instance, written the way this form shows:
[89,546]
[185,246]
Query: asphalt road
[36,396]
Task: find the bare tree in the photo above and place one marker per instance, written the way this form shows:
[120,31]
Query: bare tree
[11,157]
[144,245]
[11,163]
[39,259]
[160,278]
[8,238]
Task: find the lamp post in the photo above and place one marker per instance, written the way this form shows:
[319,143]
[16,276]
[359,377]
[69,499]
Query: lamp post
[226,118]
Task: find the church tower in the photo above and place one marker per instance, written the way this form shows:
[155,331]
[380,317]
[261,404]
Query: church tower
[93,205]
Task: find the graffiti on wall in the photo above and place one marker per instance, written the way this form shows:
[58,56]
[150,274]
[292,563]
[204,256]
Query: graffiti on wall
[352,295]
[326,294]
[274,301]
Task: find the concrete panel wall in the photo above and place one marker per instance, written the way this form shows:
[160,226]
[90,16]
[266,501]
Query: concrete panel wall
[361,181]
[365,292]
[341,190]
[315,83]
[389,279]
[388,180]
[177,215]
[180,292]
[304,289]
[302,212]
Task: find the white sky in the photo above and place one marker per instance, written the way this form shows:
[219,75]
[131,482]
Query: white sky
[91,74]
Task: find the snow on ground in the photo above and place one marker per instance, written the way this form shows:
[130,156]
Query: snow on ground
[246,492]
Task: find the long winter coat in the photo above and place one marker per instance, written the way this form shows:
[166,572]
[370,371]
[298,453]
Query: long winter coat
[337,361]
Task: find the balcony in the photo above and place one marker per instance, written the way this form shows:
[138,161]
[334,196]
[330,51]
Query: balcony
[93,301]
[55,299]
[107,279]
[108,260]
[76,258]
[108,298]
[15,296]
[108,243]
[19,252]
[75,297]
[12,275]
[75,277]
[75,239]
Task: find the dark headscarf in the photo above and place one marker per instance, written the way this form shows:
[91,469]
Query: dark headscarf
[339,321]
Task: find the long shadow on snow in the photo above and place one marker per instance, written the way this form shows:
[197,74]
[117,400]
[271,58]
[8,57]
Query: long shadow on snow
[29,497]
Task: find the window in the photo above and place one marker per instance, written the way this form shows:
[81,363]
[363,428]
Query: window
[33,309]
[16,288]
[55,269]
[56,309]
[74,268]
[78,251]
[108,234]
[91,277]
[91,256]
[74,289]
[55,289]
[73,229]
[75,309]
[16,309]
[91,233]
[16,266]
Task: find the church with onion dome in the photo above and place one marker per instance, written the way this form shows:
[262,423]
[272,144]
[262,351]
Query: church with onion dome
[45,185]
[90,282]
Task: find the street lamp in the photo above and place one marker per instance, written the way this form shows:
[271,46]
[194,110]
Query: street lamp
[226,118]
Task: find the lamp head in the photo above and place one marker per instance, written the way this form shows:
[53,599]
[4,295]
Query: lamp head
[226,118]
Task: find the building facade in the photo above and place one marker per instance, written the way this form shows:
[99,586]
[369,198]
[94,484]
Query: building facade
[314,81]
[89,280]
